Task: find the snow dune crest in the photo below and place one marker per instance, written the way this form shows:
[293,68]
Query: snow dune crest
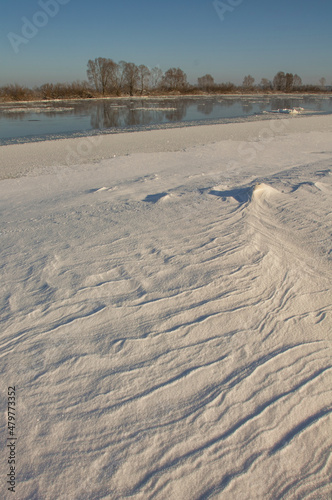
[263,191]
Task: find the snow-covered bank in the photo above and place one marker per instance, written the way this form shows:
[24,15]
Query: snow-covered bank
[166,315]
[20,159]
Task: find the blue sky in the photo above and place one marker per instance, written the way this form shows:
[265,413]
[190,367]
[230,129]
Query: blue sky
[260,37]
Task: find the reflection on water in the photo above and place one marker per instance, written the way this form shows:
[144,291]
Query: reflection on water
[205,108]
[105,115]
[34,119]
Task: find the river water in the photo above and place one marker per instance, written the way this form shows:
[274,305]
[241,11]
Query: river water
[35,121]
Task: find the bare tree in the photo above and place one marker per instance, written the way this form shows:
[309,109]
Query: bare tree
[143,77]
[100,73]
[322,82]
[175,79]
[80,89]
[266,84]
[119,77]
[279,81]
[156,76]
[205,82]
[248,81]
[130,77]
[289,82]
[297,81]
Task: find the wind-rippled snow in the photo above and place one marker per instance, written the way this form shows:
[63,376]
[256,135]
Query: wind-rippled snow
[166,319]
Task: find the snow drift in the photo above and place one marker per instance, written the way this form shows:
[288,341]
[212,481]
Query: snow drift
[166,321]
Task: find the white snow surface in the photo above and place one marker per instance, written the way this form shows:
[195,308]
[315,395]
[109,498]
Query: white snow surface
[166,314]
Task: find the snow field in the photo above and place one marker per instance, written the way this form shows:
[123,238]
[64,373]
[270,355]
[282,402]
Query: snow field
[167,320]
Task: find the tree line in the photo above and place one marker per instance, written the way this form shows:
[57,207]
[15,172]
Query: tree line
[108,78]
